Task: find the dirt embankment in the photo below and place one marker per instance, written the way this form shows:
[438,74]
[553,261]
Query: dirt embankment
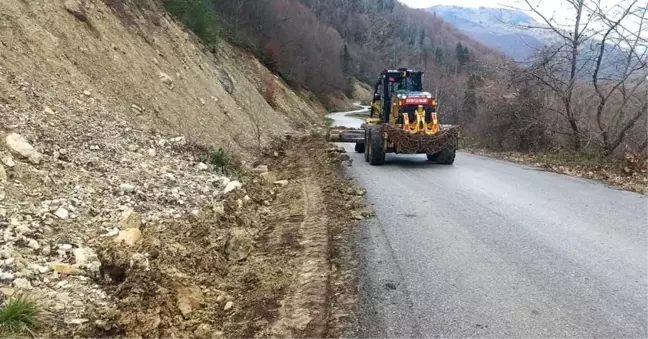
[136,62]
[135,235]
[118,214]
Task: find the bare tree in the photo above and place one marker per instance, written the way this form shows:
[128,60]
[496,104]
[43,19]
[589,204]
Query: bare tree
[558,67]
[626,84]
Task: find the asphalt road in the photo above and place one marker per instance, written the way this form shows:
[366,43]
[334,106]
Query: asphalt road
[486,248]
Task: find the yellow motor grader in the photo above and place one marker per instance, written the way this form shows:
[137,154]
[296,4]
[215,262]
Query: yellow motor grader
[403,119]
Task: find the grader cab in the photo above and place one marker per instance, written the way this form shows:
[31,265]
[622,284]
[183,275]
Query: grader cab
[403,120]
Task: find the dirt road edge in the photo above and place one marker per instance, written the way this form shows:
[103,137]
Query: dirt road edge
[320,304]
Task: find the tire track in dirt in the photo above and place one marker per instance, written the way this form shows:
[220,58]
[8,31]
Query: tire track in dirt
[322,300]
[304,311]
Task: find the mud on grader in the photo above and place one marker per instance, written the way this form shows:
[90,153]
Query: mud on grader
[403,120]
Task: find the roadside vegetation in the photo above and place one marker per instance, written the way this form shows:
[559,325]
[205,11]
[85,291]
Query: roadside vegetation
[580,104]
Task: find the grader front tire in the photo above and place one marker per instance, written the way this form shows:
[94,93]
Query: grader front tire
[446,156]
[432,157]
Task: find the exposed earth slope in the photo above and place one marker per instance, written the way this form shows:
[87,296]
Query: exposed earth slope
[119,215]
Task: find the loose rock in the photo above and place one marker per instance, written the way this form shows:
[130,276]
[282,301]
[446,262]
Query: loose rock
[7,292]
[32,243]
[62,213]
[203,331]
[76,321]
[3,174]
[137,108]
[281,183]
[48,110]
[6,275]
[129,236]
[130,219]
[269,177]
[65,247]
[232,185]
[86,257]
[8,161]
[189,299]
[219,207]
[23,229]
[139,260]
[126,188]
[22,283]
[20,147]
[65,268]
[166,79]
[239,244]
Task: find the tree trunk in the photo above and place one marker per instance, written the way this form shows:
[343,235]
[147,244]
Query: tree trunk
[575,134]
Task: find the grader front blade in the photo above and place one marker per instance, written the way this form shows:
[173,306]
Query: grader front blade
[345,134]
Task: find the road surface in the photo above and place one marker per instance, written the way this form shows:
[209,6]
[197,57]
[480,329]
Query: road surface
[486,248]
[341,118]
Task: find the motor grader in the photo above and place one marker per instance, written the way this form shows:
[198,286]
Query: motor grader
[403,120]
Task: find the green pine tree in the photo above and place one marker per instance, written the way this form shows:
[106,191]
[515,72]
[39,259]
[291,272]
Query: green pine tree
[346,60]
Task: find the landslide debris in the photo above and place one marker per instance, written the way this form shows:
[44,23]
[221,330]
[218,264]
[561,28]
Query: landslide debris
[118,215]
[122,232]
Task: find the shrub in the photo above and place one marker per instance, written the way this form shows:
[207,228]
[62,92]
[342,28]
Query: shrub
[271,57]
[218,158]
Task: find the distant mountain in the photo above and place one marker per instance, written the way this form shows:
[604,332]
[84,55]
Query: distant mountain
[499,28]
[509,31]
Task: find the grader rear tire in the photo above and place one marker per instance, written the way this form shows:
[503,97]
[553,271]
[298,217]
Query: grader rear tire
[376,151]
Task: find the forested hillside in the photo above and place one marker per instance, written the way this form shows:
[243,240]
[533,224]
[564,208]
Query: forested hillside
[543,105]
[320,45]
